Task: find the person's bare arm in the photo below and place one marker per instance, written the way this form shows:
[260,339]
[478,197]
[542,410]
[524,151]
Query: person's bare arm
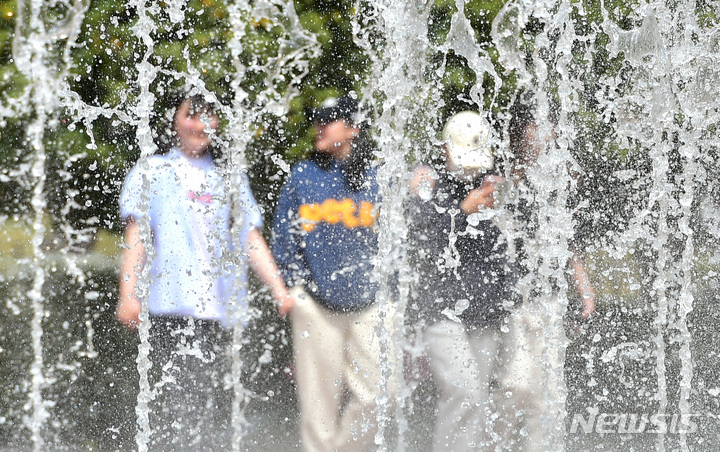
[583,285]
[264,266]
[133,261]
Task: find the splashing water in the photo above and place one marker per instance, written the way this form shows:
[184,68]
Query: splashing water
[632,170]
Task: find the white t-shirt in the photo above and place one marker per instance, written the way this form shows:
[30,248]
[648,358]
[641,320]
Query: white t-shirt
[185,201]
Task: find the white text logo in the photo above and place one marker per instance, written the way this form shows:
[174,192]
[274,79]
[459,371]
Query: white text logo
[633,423]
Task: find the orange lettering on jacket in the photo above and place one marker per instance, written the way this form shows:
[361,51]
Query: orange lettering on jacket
[333,211]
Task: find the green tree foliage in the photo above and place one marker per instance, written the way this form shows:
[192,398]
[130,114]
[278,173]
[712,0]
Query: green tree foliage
[223,47]
[90,153]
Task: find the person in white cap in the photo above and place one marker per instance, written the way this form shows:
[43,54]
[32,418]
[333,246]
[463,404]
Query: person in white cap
[465,284]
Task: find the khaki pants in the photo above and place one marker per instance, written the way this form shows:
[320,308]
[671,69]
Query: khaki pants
[462,362]
[338,359]
[533,401]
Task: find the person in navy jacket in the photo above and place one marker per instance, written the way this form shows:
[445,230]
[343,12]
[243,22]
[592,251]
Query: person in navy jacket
[325,242]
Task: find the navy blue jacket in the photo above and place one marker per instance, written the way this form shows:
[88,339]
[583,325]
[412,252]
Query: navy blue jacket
[324,237]
[463,268]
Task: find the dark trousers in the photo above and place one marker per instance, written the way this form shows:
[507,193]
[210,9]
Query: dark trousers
[192,408]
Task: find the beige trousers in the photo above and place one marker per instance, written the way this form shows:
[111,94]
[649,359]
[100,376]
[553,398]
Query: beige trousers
[532,381]
[462,361]
[339,358]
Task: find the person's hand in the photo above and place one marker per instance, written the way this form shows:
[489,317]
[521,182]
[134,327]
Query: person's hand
[286,303]
[422,181]
[128,312]
[478,198]
[483,197]
[285,299]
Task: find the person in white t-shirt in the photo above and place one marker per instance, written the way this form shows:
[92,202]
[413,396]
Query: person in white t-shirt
[182,213]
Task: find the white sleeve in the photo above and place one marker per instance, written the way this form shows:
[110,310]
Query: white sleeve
[248,206]
[131,196]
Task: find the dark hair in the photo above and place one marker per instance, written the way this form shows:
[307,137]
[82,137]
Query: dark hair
[522,114]
[165,123]
[360,159]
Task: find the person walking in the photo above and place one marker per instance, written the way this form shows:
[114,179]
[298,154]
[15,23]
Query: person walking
[466,281]
[325,242]
[183,196]
[533,363]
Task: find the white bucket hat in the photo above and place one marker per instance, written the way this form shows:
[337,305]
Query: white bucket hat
[467,137]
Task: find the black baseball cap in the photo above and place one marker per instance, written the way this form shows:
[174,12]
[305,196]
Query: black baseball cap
[336,108]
